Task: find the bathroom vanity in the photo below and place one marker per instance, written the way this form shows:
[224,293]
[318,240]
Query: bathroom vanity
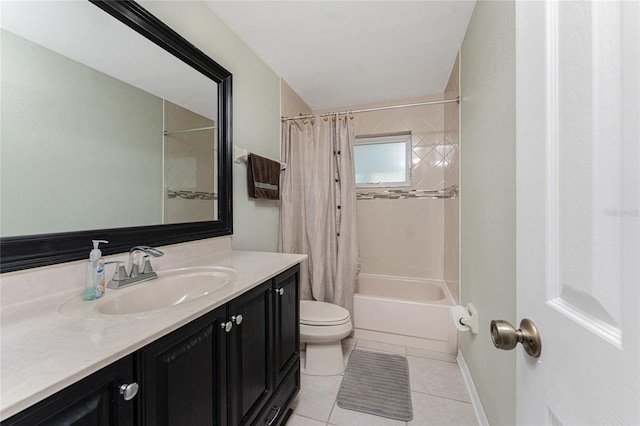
[228,358]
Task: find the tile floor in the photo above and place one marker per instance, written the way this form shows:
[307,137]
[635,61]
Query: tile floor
[439,395]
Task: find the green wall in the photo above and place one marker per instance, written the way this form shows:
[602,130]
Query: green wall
[64,129]
[488,199]
[256,111]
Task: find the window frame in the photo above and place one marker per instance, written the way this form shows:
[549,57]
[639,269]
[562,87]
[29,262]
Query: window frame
[396,138]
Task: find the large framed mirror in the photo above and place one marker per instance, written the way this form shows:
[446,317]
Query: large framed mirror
[115,129]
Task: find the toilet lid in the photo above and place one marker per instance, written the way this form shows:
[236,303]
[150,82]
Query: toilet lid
[321,313]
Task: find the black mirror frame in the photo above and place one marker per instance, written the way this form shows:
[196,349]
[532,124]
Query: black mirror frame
[24,252]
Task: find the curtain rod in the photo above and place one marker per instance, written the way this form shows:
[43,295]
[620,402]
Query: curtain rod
[199,129]
[327,114]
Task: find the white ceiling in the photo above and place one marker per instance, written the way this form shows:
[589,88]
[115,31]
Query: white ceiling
[339,53]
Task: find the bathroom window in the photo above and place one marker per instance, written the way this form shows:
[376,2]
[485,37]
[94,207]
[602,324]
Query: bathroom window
[383,161]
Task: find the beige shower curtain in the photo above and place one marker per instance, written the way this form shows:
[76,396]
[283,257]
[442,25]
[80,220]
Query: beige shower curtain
[318,206]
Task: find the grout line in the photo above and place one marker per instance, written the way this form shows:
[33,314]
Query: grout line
[382,350]
[307,417]
[452,356]
[335,403]
[440,396]
[432,359]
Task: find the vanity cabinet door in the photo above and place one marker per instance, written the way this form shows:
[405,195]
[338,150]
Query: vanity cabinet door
[287,322]
[250,354]
[184,375]
[95,400]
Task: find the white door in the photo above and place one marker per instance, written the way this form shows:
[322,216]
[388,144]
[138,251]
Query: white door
[578,215]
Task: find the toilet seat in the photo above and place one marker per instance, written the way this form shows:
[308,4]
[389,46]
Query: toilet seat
[322,327]
[322,314]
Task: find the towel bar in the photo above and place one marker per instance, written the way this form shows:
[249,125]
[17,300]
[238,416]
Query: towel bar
[240,156]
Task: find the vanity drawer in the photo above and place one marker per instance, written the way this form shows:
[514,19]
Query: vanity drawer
[276,412]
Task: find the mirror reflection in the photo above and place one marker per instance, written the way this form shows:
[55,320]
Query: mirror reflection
[101,128]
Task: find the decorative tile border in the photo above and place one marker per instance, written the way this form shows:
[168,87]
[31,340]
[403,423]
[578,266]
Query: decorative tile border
[397,194]
[191,195]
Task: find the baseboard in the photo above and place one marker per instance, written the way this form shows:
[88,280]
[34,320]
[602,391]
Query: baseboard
[475,399]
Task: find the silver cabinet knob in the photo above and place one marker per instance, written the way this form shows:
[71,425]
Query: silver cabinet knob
[280,291]
[226,326]
[237,319]
[505,336]
[128,392]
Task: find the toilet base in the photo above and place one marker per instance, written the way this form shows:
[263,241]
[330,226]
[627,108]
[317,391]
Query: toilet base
[324,359]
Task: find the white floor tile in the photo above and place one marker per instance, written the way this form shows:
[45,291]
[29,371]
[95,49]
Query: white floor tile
[423,353]
[340,417]
[380,347]
[316,397]
[432,410]
[439,378]
[296,420]
[439,395]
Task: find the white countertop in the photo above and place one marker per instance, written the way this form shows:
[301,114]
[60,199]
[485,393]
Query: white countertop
[43,350]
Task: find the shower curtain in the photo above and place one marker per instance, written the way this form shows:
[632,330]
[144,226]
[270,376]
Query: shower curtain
[318,206]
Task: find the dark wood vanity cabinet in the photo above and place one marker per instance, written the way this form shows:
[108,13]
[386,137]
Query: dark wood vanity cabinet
[286,349]
[214,370]
[250,353]
[227,367]
[264,349]
[95,400]
[236,365]
[287,322]
[184,375]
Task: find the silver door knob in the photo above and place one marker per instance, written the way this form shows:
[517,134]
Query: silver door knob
[226,326]
[237,319]
[505,336]
[280,291]
[129,391]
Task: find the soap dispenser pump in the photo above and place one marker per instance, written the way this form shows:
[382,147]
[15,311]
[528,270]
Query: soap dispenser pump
[94,287]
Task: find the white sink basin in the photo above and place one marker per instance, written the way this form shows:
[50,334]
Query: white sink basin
[173,287]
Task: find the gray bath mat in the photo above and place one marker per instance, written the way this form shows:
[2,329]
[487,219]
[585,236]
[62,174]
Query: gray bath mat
[377,383]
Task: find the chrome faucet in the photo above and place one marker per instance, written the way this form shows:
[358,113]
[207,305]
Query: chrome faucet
[136,274]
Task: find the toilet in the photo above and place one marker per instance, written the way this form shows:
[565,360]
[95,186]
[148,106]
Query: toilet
[322,327]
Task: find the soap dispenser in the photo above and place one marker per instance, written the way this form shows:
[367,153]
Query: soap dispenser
[94,287]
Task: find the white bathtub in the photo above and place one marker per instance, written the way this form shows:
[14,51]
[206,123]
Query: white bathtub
[404,311]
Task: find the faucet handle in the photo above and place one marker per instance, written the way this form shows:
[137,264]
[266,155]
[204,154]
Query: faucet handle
[121,272]
[146,265]
[135,270]
[134,264]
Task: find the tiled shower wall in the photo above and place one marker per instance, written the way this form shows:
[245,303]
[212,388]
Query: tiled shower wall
[404,237]
[190,170]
